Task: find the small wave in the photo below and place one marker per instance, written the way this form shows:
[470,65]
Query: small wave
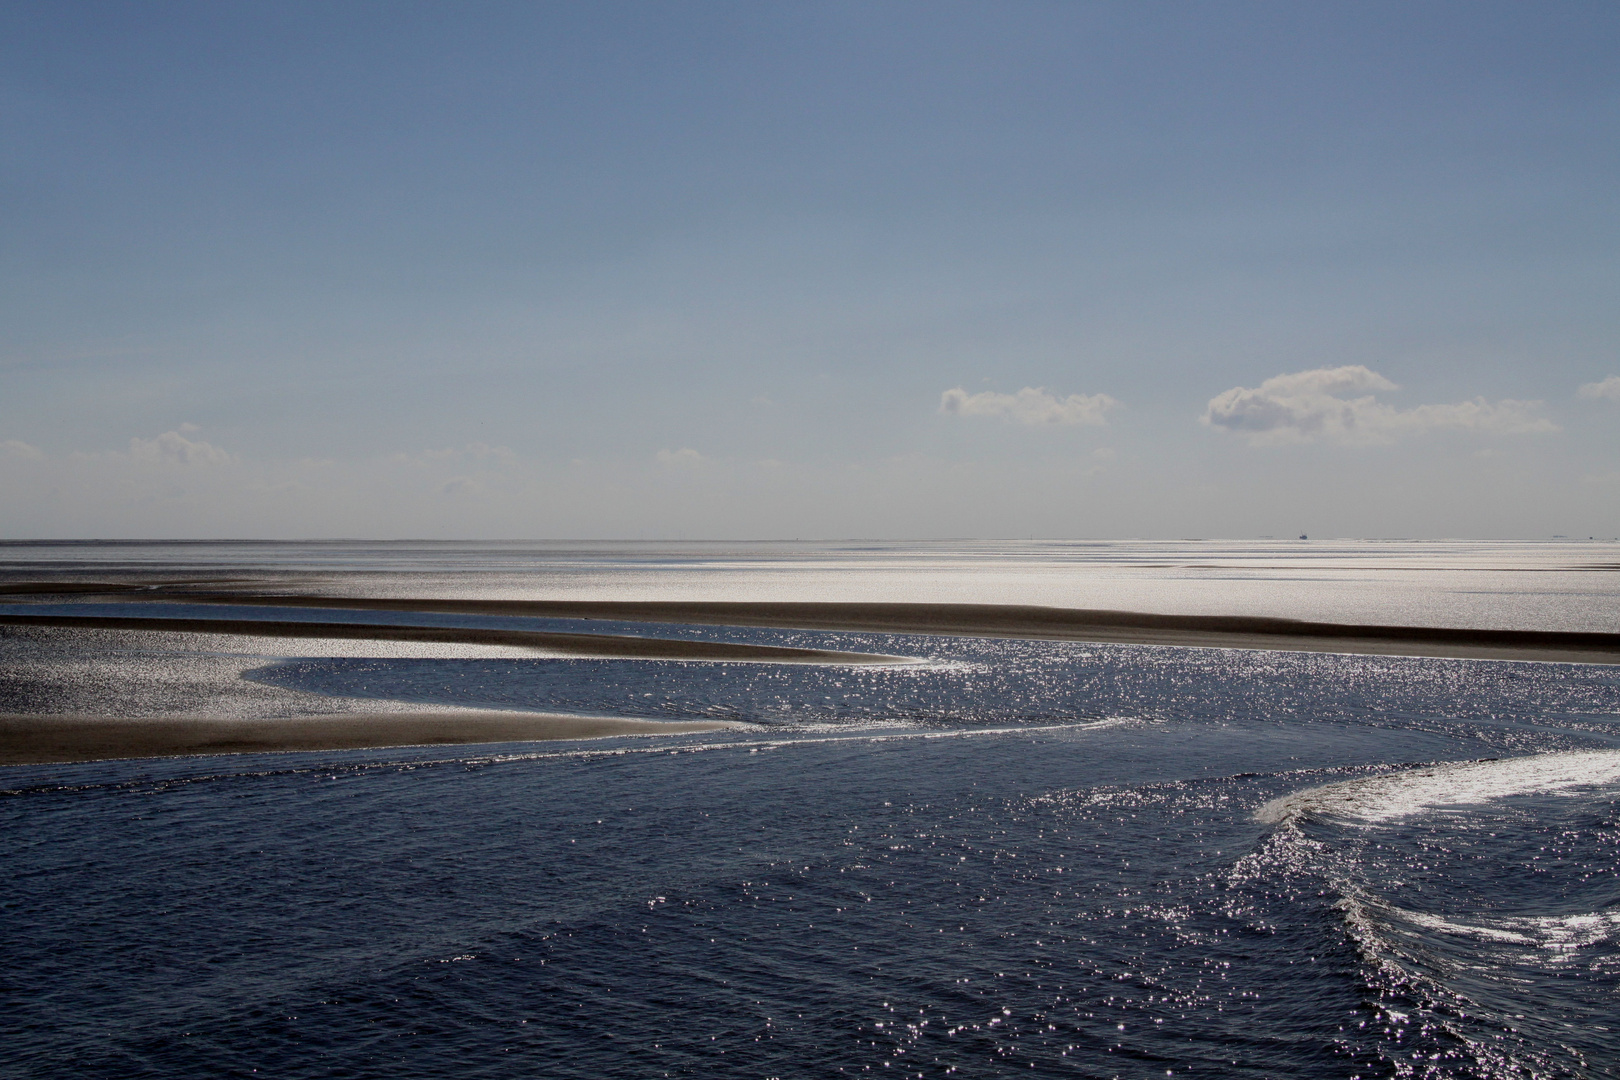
[950,666]
[1556,933]
[818,727]
[755,745]
[1391,797]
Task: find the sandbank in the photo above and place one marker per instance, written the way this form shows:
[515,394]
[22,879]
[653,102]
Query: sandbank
[968,620]
[38,740]
[592,645]
[1017,621]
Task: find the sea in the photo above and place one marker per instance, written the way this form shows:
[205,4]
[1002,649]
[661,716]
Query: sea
[1005,858]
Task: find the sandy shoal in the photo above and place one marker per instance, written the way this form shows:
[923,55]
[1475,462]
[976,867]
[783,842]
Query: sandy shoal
[971,620]
[613,646]
[36,740]
[1017,621]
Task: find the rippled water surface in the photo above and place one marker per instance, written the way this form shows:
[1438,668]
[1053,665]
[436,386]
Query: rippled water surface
[1013,858]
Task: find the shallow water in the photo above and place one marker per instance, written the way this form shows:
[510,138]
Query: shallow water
[1016,858]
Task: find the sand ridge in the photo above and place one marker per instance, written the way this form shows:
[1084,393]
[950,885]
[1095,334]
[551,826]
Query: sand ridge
[34,740]
[586,645]
[1014,621]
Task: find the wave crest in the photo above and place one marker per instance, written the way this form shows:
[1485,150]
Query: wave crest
[1392,797]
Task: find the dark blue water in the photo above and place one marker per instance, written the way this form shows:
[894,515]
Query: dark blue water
[1015,859]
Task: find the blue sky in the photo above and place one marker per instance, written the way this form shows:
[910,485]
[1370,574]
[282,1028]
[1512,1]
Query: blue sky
[759,270]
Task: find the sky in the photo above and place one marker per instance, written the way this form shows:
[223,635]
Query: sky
[809,270]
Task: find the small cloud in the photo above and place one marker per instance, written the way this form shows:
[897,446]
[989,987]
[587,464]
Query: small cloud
[1606,390]
[1031,405]
[761,401]
[461,485]
[16,448]
[685,457]
[1103,452]
[173,448]
[1310,405]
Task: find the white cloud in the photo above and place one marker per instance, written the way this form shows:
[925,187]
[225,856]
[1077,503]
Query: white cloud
[1606,390]
[16,448]
[1031,405]
[1309,405]
[173,448]
[684,457]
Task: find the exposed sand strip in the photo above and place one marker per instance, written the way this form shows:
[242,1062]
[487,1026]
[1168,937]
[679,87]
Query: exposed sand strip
[37,740]
[595,645]
[1017,621]
[976,620]
[96,588]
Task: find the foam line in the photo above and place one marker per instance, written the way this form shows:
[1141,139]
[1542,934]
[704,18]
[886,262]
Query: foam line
[1391,797]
